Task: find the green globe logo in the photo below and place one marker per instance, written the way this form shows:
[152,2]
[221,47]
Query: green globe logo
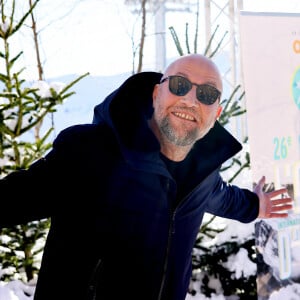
[296,87]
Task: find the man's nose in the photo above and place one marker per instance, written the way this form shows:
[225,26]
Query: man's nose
[190,98]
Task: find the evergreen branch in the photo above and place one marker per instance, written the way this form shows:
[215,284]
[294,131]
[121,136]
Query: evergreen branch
[210,41]
[3,77]
[16,153]
[67,95]
[187,38]
[219,45]
[38,119]
[20,106]
[240,112]
[46,135]
[231,97]
[68,86]
[12,61]
[17,27]
[242,167]
[5,130]
[176,40]
[49,107]
[8,95]
[206,224]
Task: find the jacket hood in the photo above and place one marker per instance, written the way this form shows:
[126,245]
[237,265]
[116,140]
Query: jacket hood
[127,110]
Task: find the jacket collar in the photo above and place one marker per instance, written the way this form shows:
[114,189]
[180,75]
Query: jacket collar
[127,110]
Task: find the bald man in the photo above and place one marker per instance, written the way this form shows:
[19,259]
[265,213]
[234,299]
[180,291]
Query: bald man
[126,195]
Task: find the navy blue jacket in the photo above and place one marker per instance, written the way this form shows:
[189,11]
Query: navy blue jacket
[116,232]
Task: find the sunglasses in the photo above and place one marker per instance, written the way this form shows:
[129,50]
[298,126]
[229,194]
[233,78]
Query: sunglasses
[180,86]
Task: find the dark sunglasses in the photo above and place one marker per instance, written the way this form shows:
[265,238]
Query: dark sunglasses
[180,86]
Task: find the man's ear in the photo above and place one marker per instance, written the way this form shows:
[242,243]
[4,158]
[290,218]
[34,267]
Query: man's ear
[155,91]
[219,111]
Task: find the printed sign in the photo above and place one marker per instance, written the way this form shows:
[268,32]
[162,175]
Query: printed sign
[270,44]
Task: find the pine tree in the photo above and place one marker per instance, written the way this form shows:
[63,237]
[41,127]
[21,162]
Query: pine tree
[23,106]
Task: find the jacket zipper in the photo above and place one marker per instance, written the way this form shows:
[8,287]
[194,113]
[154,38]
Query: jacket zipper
[92,288]
[171,232]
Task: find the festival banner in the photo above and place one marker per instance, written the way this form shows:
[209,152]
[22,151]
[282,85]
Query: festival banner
[270,53]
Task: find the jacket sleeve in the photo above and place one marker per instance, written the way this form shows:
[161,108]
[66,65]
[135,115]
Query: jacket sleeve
[63,182]
[31,194]
[24,195]
[232,202]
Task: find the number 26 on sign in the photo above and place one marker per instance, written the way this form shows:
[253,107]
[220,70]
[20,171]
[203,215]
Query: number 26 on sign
[281,147]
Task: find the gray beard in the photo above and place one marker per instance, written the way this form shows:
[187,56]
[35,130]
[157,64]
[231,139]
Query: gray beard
[188,139]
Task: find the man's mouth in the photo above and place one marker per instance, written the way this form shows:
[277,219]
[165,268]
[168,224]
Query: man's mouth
[184,116]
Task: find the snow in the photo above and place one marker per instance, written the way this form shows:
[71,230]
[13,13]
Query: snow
[43,89]
[240,264]
[290,292]
[16,290]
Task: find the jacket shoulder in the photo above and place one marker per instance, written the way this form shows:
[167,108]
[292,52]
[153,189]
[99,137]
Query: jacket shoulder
[84,135]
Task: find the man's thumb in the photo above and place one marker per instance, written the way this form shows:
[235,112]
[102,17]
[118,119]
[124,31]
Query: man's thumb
[262,181]
[259,187]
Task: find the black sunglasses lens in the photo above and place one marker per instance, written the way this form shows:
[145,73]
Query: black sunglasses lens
[179,86]
[207,94]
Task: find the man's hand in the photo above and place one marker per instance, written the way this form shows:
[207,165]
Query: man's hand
[272,208]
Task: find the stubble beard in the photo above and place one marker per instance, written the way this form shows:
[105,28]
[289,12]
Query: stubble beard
[187,139]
